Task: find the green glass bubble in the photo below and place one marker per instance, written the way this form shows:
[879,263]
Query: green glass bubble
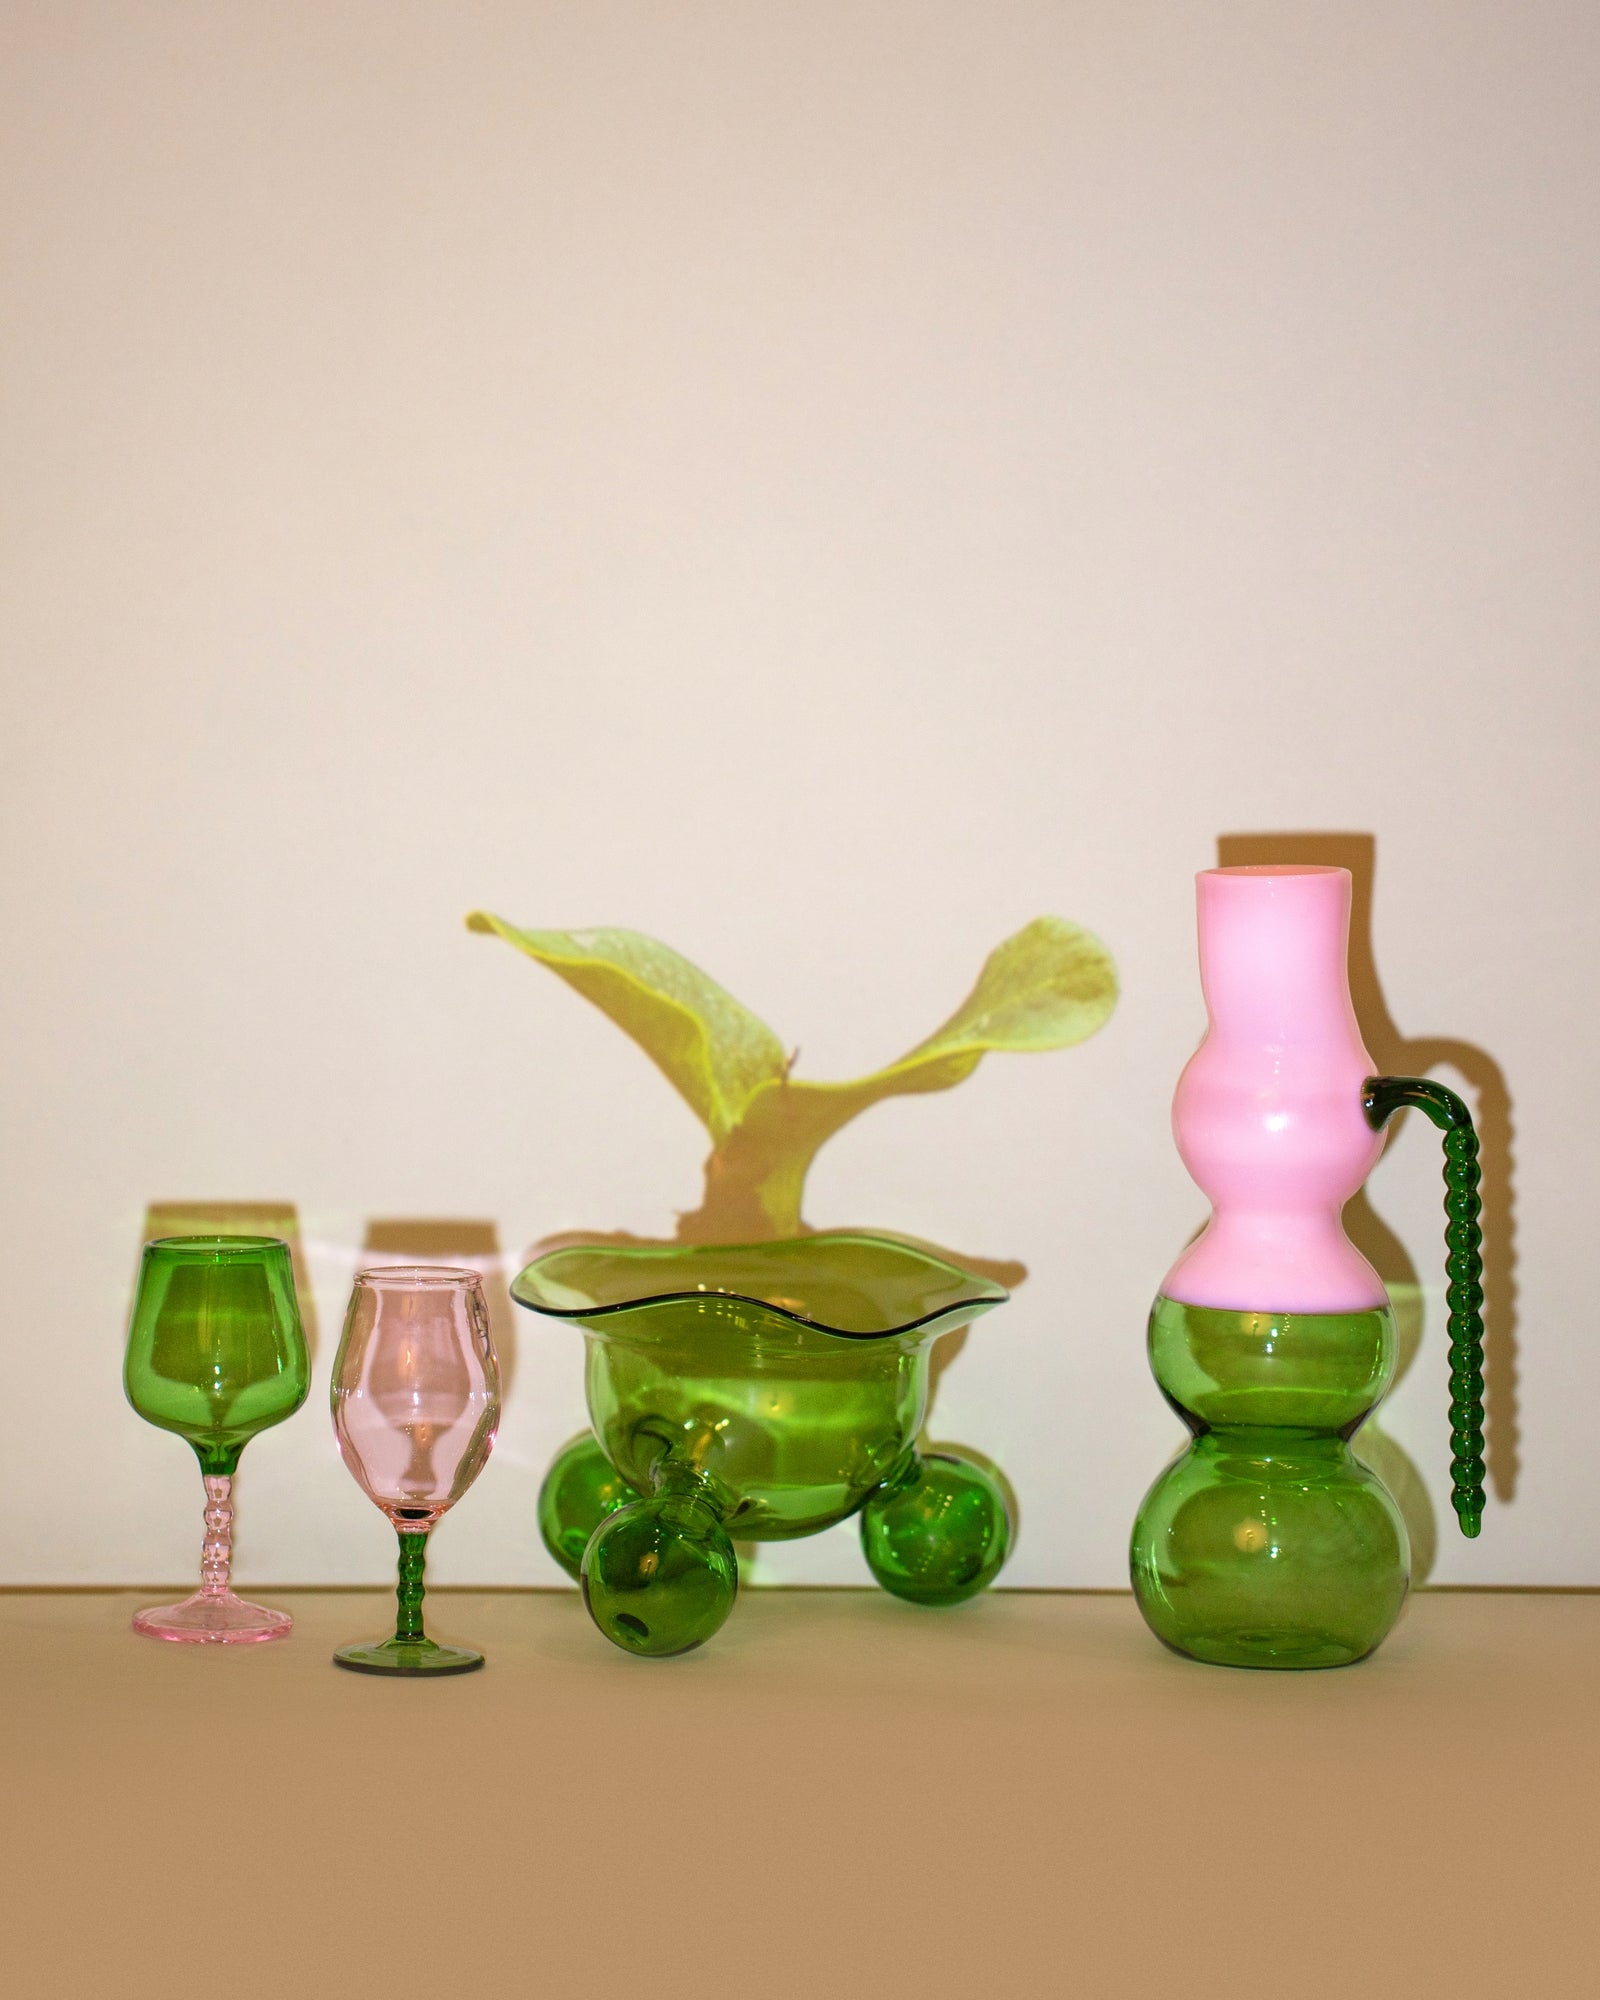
[580,1490]
[940,1533]
[660,1576]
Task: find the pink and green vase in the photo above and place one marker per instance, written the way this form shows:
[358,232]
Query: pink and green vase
[1267,1542]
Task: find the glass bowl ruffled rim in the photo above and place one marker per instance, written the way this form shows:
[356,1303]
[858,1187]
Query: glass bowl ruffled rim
[974,1295]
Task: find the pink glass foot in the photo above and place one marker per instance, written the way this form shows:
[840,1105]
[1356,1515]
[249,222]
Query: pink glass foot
[213,1618]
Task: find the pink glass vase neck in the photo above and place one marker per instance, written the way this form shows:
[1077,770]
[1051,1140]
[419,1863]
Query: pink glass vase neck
[1268,1115]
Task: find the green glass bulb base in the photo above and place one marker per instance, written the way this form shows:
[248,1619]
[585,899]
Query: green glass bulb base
[1268,1543]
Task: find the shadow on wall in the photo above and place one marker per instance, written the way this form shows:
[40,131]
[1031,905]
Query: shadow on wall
[1398,1054]
[240,1218]
[445,1239]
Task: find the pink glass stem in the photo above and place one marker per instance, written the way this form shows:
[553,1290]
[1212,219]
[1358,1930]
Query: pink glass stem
[216,1551]
[214,1616]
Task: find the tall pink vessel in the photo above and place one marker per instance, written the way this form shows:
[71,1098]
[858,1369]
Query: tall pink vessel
[1268,1114]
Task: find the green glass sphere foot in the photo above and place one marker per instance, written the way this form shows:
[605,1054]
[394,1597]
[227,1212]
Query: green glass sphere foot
[408,1656]
[940,1533]
[1263,1548]
[581,1488]
[660,1576]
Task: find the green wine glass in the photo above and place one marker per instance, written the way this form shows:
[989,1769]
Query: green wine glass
[216,1352]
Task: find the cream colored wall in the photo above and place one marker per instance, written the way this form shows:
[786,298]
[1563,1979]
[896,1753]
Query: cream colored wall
[820,484]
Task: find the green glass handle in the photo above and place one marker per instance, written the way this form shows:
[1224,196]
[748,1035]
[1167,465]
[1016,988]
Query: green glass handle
[1381,1097]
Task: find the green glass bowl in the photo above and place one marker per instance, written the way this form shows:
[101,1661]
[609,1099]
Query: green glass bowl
[760,1391]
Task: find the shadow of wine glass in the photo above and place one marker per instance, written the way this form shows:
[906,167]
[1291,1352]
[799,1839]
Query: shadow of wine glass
[1398,1054]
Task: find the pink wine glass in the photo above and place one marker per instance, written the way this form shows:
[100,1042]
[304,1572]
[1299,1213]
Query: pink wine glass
[416,1399]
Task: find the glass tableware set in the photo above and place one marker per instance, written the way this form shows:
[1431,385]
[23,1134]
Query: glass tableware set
[766,1391]
[216,1353]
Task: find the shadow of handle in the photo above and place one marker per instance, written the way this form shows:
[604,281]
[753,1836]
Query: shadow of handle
[1381,1097]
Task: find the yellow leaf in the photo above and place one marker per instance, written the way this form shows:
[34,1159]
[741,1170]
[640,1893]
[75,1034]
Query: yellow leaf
[713,1051]
[1047,987]
[1050,985]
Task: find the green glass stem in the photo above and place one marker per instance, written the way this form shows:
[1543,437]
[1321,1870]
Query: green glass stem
[408,1611]
[1381,1097]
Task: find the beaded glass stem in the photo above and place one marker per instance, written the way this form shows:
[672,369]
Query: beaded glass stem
[408,1598]
[216,1551]
[214,1614]
[1380,1099]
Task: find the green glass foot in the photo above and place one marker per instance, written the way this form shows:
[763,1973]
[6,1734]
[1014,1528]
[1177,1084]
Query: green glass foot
[581,1488]
[938,1534]
[407,1656]
[660,1576]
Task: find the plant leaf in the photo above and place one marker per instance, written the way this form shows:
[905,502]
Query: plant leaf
[1050,985]
[713,1051]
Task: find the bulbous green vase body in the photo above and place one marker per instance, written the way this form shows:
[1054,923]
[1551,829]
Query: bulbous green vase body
[1268,1543]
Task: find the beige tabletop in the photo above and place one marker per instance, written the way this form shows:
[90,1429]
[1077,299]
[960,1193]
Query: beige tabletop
[840,1797]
